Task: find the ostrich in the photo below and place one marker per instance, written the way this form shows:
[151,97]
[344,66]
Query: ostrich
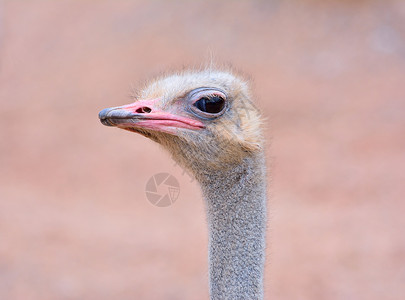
[206,121]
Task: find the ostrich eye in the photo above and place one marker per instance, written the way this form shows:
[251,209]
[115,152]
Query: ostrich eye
[213,104]
[208,103]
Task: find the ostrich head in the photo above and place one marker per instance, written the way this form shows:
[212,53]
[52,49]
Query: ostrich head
[204,119]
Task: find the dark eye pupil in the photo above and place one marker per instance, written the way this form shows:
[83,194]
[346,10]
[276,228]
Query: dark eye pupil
[210,105]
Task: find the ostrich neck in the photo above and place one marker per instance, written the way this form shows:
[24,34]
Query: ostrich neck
[236,211]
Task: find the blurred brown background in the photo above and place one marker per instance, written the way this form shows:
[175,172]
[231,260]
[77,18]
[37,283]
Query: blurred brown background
[74,219]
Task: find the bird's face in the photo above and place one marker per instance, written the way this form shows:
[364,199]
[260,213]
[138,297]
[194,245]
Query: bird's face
[204,117]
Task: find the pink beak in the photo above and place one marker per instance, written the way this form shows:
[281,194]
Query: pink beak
[144,114]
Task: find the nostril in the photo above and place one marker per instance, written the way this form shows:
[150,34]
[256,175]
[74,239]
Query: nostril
[143,110]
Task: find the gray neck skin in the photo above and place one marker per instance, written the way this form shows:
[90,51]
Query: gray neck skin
[236,210]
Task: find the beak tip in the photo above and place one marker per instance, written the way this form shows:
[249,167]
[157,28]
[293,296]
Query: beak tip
[102,115]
